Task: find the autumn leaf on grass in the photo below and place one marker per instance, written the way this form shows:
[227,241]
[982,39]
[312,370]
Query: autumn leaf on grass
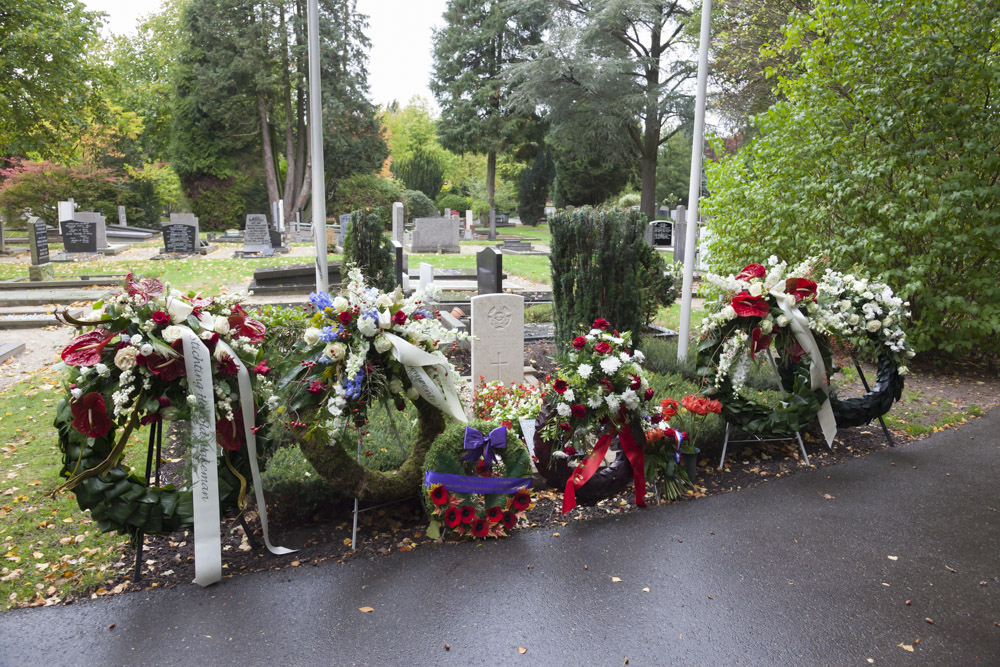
[366,610]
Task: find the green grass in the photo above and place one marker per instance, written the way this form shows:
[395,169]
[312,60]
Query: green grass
[541,234]
[670,317]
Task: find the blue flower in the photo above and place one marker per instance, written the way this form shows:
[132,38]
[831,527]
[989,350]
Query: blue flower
[329,334]
[320,300]
[352,387]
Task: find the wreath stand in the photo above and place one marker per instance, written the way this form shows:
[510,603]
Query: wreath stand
[864,383]
[756,438]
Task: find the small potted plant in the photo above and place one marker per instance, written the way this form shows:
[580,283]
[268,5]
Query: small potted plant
[698,408]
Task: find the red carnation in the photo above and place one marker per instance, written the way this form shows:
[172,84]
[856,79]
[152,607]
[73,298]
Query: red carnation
[648,395]
[521,500]
[579,342]
[226,367]
[750,306]
[569,450]
[480,527]
[602,347]
[801,288]
[578,410]
[751,271]
[440,495]
[399,318]
[467,513]
[451,517]
[636,382]
[494,514]
[601,323]
[90,415]
[509,520]
[560,386]
[161,319]
[262,368]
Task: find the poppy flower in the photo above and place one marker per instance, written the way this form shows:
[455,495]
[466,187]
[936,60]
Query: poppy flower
[801,288]
[521,500]
[750,306]
[509,520]
[86,350]
[468,513]
[668,407]
[480,527]
[601,323]
[494,514]
[161,319]
[440,495]
[451,517]
[90,415]
[578,410]
[751,271]
[649,394]
[399,318]
[579,342]
[602,347]
[700,405]
[345,317]
[560,386]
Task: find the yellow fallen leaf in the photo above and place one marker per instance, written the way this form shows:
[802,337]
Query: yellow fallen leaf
[616,580]
[906,647]
[893,557]
[366,610]
[646,589]
[555,534]
[347,541]
[295,563]
[522,650]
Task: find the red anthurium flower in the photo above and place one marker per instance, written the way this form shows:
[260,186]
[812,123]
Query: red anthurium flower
[509,520]
[440,495]
[345,317]
[521,500]
[161,319]
[649,394]
[86,350]
[794,351]
[579,411]
[480,527]
[452,518]
[560,386]
[751,271]
[168,369]
[601,323]
[147,288]
[262,368]
[242,326]
[399,318]
[468,513]
[164,402]
[494,514]
[758,342]
[579,342]
[750,306]
[602,347]
[90,415]
[229,434]
[801,288]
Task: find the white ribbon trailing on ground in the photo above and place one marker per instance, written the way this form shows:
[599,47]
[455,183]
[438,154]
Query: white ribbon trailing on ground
[817,367]
[441,394]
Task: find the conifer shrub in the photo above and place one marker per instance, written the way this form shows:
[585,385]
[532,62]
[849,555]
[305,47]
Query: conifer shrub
[368,247]
[418,205]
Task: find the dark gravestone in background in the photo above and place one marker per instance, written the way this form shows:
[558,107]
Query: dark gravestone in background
[660,233]
[38,238]
[79,236]
[489,271]
[397,256]
[275,238]
[180,239]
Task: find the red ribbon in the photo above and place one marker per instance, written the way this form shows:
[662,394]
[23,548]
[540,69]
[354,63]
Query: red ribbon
[584,472]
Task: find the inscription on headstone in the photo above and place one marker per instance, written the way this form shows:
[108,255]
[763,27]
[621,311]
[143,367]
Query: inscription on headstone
[659,233]
[257,236]
[38,238]
[498,338]
[79,236]
[100,226]
[489,271]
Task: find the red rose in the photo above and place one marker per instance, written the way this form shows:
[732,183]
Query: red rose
[656,418]
[440,495]
[451,517]
[648,395]
[602,347]
[801,288]
[636,382]
[161,319]
[578,411]
[560,386]
[164,402]
[566,427]
[399,318]
[750,306]
[522,499]
[90,415]
[467,513]
[579,342]
[494,514]
[480,527]
[751,271]
[509,520]
[345,317]
[569,450]
[601,323]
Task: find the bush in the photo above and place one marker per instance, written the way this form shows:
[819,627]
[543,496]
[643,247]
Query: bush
[37,187]
[219,203]
[364,191]
[368,247]
[596,270]
[533,188]
[295,491]
[629,200]
[659,281]
[454,202]
[418,205]
[421,171]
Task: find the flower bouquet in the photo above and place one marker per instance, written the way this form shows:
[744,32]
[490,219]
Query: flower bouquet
[663,451]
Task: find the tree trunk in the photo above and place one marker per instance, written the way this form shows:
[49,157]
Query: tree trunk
[290,161]
[270,174]
[491,178]
[651,128]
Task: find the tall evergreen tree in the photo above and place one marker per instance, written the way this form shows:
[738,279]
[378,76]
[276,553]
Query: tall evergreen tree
[480,39]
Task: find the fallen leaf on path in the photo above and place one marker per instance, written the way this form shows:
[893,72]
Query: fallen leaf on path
[893,557]
[906,647]
[616,580]
[646,589]
[366,610]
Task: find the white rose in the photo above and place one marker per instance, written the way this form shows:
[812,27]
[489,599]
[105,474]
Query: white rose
[124,358]
[385,320]
[412,394]
[311,336]
[335,351]
[853,319]
[564,410]
[383,301]
[102,369]
[887,322]
[84,370]
[192,399]
[221,326]
[728,313]
[382,344]
[782,321]
[903,370]
[868,295]
[220,354]
[178,310]
[146,349]
[756,289]
[77,393]
[766,326]
[585,370]
[172,333]
[845,305]
[340,304]
[910,354]
[873,325]
[136,340]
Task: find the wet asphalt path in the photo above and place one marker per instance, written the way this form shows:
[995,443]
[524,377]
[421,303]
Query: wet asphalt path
[794,572]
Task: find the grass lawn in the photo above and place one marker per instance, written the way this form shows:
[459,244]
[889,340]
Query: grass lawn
[530,267]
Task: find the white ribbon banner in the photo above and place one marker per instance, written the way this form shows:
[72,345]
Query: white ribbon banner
[443,395]
[817,368]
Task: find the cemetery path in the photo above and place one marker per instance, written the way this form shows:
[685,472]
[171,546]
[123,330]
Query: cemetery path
[42,349]
[882,559]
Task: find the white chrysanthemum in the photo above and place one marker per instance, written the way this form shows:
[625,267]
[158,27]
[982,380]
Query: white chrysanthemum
[630,398]
[569,396]
[585,370]
[610,365]
[639,356]
[564,410]
[613,402]
[594,402]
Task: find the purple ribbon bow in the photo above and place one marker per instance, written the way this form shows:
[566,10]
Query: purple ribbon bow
[484,446]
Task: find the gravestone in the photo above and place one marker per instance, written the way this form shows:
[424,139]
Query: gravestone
[498,338]
[398,222]
[3,247]
[659,233]
[489,271]
[100,226]
[435,235]
[122,220]
[38,239]
[426,275]
[397,262]
[345,225]
[79,236]
[65,210]
[468,225]
[180,235]
[257,236]
[680,230]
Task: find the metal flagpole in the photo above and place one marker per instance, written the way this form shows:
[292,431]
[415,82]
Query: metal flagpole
[694,190]
[316,147]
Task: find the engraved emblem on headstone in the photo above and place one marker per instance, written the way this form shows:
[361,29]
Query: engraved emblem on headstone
[499,317]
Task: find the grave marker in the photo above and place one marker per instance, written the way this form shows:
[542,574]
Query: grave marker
[426,275]
[181,234]
[65,210]
[397,262]
[398,222]
[345,225]
[257,236]
[100,226]
[498,338]
[79,236]
[122,220]
[38,239]
[489,271]
[659,233]
[468,225]
[680,229]
[435,235]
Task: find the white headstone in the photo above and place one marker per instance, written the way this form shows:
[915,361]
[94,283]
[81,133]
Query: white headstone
[498,338]
[66,210]
[122,220]
[426,275]
[468,225]
[398,221]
